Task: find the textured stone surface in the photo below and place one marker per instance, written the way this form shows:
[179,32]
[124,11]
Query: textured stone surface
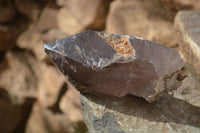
[178,112]
[117,65]
[188,30]
[190,89]
[78,15]
[134,115]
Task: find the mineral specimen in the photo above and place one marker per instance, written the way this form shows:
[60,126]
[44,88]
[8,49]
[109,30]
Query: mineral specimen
[117,65]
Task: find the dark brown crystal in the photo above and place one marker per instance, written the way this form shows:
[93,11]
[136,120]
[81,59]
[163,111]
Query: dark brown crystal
[117,65]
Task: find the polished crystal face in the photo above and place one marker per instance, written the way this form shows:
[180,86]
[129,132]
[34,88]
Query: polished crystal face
[117,65]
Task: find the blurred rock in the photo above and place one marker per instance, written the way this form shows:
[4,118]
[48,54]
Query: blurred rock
[89,12]
[18,88]
[31,40]
[70,105]
[152,20]
[28,38]
[20,77]
[30,8]
[141,18]
[176,5]
[34,40]
[78,15]
[3,61]
[50,84]
[132,114]
[43,120]
[60,2]
[7,11]
[48,0]
[47,19]
[32,37]
[7,38]
[53,35]
[68,22]
[188,30]
[10,31]
[13,116]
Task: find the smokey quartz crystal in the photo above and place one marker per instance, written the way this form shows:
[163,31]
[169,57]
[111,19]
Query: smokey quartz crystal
[117,65]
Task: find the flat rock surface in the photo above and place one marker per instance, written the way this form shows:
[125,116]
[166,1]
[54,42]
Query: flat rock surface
[117,64]
[187,24]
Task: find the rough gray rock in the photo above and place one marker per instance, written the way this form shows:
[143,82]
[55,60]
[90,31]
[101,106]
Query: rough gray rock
[130,114]
[178,112]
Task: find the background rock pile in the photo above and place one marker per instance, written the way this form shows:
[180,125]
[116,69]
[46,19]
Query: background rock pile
[35,97]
